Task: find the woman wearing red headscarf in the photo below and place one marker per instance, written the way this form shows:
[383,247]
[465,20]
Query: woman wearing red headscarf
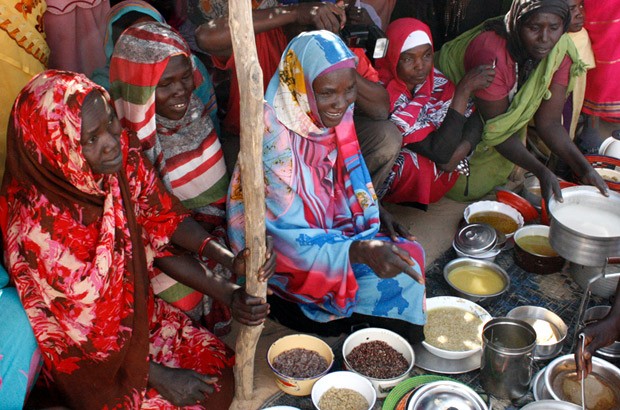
[85,218]
[430,112]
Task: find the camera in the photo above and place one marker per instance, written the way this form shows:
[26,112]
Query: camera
[367,36]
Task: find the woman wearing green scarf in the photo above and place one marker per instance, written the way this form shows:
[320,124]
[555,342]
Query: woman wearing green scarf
[535,66]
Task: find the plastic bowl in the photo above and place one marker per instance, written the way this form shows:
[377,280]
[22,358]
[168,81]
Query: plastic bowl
[344,379]
[298,386]
[550,329]
[533,262]
[464,304]
[494,206]
[475,281]
[397,342]
[525,208]
[610,147]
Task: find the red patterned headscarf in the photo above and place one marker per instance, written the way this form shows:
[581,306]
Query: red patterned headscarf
[416,112]
[75,249]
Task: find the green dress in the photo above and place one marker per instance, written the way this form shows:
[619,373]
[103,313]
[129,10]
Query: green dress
[488,168]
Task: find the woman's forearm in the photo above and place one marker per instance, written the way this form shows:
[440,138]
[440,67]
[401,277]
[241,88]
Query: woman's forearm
[214,36]
[188,271]
[191,235]
[515,151]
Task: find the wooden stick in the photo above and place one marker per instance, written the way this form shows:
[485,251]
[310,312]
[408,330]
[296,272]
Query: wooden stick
[250,160]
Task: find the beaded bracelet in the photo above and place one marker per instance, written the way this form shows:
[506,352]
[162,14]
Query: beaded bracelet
[203,246]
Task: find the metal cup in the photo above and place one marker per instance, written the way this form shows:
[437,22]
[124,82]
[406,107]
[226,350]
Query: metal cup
[507,357]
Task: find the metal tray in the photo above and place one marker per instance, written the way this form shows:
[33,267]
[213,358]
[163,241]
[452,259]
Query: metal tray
[428,361]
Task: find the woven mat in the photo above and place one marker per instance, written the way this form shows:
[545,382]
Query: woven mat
[556,292]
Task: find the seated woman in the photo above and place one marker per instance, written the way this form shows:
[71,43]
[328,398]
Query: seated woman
[333,270]
[431,114]
[86,216]
[535,66]
[130,12]
[154,78]
[20,357]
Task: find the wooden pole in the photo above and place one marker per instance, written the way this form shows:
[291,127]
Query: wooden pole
[250,160]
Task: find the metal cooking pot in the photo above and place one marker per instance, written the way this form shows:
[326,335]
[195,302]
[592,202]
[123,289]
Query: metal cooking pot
[584,228]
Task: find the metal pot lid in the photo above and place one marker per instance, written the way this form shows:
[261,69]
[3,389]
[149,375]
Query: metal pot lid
[443,395]
[474,239]
[550,405]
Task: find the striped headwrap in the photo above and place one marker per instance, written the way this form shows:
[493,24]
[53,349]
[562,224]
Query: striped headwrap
[186,152]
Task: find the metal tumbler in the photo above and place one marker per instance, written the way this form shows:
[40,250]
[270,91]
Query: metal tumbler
[507,357]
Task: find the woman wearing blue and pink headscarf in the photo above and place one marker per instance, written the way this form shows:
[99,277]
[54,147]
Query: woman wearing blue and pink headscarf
[333,269]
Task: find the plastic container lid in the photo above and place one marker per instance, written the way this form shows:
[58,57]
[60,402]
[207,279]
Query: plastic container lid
[474,239]
[519,203]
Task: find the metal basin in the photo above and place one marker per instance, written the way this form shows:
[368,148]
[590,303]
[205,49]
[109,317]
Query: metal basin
[585,228]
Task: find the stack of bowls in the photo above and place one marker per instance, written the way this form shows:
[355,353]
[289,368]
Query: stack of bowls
[476,241]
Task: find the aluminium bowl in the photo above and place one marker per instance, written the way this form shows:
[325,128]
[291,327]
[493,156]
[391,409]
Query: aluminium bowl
[475,297]
[446,394]
[543,321]
[565,365]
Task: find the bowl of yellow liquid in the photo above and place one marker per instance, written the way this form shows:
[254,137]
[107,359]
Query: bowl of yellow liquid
[504,218]
[533,251]
[476,279]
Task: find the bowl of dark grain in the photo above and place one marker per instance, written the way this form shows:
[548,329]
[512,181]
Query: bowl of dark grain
[380,355]
[343,390]
[298,361]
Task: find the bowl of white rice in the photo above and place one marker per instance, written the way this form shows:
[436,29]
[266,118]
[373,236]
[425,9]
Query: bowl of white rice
[453,327]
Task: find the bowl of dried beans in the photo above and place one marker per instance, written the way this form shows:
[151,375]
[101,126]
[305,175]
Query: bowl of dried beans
[298,361]
[382,356]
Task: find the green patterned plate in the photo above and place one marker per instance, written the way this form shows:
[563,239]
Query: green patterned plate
[406,386]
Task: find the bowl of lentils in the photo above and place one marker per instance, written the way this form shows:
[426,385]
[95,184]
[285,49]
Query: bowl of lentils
[343,390]
[380,355]
[298,361]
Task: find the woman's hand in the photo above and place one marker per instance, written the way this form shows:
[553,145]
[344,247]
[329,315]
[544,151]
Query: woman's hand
[181,387]
[266,271]
[322,16]
[591,177]
[599,334]
[549,185]
[391,227]
[248,310]
[384,258]
[477,78]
